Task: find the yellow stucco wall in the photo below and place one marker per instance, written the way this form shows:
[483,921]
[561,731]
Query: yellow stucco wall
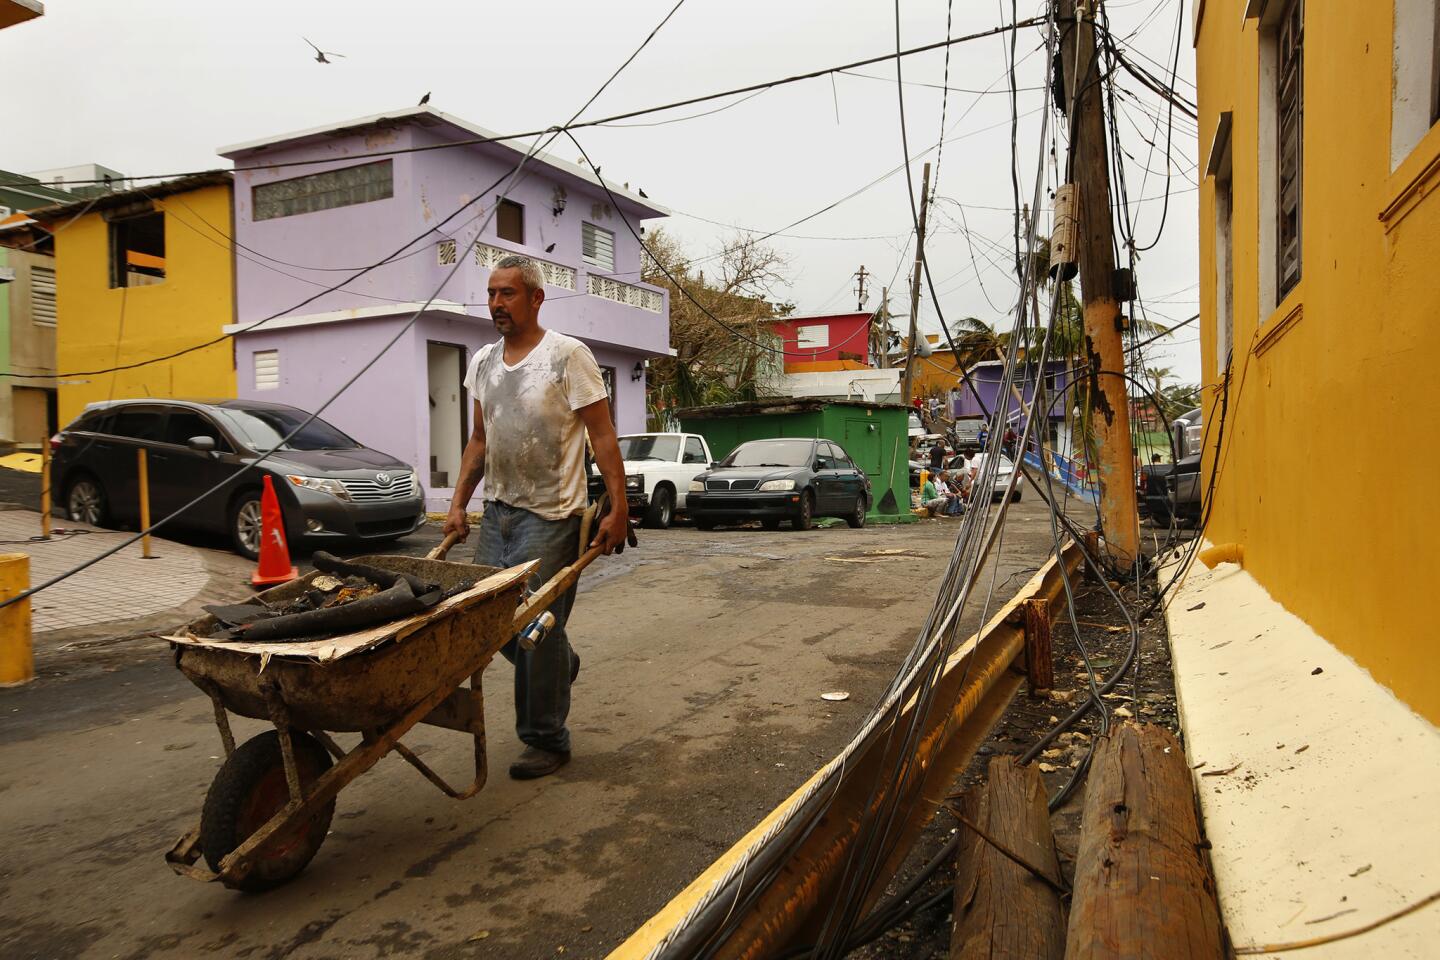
[190,306]
[1330,461]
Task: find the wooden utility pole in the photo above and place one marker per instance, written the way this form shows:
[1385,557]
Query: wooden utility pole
[882,354]
[1142,883]
[915,287]
[861,275]
[1104,349]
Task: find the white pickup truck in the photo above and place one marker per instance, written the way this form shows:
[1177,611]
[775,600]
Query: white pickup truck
[658,471]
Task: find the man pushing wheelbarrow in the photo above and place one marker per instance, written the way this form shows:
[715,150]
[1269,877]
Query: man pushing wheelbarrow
[537,393]
[269,807]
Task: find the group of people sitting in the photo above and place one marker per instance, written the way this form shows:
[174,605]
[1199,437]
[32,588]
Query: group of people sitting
[946,491]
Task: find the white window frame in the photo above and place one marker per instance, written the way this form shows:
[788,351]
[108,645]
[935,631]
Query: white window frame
[42,277]
[265,368]
[592,233]
[815,336]
[1220,168]
[1415,77]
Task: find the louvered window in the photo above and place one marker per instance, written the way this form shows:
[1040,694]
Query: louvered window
[1290,116]
[597,247]
[267,369]
[42,296]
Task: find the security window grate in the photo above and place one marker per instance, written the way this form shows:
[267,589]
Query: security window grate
[323,191]
[1290,117]
[597,247]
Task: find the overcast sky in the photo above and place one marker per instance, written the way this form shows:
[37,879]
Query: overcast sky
[155,87]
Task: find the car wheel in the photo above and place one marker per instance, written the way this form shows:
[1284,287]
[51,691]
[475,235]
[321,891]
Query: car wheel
[662,508]
[856,519]
[246,526]
[805,513]
[770,523]
[1015,495]
[85,502]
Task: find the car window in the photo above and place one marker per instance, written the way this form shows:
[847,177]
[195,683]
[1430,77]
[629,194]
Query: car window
[184,424]
[771,453]
[643,446]
[694,451]
[138,423]
[92,421]
[265,427]
[842,462]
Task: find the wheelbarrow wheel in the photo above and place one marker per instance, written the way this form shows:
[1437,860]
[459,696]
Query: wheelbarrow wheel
[251,788]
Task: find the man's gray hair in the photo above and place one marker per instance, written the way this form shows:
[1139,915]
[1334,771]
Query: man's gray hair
[529,269]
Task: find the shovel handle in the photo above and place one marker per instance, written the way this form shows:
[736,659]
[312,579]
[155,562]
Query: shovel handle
[439,552]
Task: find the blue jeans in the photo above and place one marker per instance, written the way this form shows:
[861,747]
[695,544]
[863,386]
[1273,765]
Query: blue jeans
[509,536]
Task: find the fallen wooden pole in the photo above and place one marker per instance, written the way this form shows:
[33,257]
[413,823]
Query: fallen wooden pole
[1142,886]
[1002,910]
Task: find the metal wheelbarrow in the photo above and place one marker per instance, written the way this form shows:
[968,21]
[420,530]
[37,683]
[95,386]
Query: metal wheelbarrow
[269,807]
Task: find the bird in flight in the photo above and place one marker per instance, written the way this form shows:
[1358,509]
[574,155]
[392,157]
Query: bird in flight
[425,99]
[321,55]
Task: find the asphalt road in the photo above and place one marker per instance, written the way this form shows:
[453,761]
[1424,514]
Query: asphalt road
[697,710]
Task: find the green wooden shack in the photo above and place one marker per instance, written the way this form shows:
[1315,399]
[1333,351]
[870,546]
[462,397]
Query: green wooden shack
[875,435]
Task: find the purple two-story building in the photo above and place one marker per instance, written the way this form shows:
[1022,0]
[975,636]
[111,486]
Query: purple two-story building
[987,376]
[300,229]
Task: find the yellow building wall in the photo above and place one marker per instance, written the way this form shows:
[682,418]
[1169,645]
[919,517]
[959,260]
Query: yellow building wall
[1328,468]
[936,375]
[100,327]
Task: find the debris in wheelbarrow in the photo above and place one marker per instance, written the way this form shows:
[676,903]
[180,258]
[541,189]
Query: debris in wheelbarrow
[365,597]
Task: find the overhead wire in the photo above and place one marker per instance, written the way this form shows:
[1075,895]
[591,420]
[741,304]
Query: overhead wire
[511,178]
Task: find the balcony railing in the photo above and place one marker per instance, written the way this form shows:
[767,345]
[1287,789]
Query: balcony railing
[626,293]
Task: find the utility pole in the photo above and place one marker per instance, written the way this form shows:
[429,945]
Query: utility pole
[1103,325]
[915,287]
[861,274]
[882,354]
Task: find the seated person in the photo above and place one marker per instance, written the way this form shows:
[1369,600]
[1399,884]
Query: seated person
[931,498]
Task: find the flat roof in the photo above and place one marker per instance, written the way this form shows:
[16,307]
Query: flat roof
[775,405]
[420,114]
[156,191]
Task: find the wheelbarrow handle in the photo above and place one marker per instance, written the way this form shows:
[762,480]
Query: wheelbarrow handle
[439,552]
[551,590]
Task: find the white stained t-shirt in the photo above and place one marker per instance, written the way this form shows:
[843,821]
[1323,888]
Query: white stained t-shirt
[534,438]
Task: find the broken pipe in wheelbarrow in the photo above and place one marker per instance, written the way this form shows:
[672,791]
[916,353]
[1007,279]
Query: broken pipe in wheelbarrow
[533,620]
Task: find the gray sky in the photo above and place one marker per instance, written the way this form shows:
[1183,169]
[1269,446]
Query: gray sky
[155,87]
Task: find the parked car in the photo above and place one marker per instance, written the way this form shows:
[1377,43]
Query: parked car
[1184,488]
[658,471]
[330,487]
[1002,474]
[1152,496]
[775,480]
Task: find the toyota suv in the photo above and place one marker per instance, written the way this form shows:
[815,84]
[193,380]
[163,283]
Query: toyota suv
[330,487]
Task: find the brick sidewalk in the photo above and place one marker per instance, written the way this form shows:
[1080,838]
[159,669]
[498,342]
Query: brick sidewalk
[122,587]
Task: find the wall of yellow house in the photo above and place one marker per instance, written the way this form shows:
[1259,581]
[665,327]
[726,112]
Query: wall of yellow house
[1329,462]
[100,326]
[936,375]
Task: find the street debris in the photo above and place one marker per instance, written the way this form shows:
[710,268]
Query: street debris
[1364,869]
[1317,671]
[1221,773]
[343,597]
[836,695]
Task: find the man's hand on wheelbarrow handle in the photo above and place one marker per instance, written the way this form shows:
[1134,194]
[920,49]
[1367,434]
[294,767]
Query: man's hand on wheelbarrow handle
[614,533]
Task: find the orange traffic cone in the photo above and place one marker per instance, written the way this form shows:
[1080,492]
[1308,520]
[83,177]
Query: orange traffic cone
[274,566]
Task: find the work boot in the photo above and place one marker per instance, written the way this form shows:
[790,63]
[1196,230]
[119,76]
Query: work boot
[535,763]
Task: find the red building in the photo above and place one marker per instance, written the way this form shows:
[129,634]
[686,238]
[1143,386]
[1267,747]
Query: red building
[836,341]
